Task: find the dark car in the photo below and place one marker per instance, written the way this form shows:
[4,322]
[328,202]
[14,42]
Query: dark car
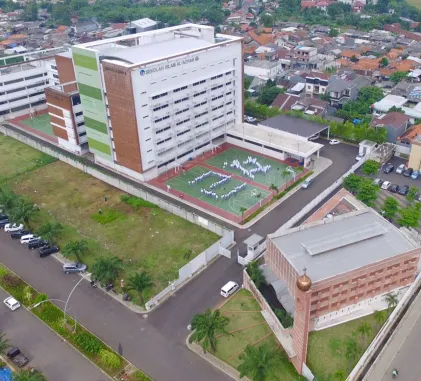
[388,168]
[19,234]
[403,190]
[394,188]
[48,250]
[17,357]
[37,243]
[408,172]
[4,222]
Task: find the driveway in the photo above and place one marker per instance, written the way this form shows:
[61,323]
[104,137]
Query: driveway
[156,344]
[46,351]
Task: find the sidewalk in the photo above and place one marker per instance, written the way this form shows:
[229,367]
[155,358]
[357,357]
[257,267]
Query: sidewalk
[402,350]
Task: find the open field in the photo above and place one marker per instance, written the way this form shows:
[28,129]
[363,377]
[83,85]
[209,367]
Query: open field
[415,3]
[147,238]
[327,348]
[250,328]
[17,158]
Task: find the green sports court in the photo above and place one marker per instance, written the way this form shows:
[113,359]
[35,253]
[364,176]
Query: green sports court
[40,123]
[277,175]
[236,205]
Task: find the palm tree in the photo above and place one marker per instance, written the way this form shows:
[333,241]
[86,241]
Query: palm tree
[4,343]
[285,173]
[242,210]
[28,375]
[351,351]
[339,375]
[76,248]
[380,317]
[50,231]
[107,269]
[258,363]
[392,302]
[23,212]
[364,330]
[206,328]
[140,282]
[273,188]
[256,274]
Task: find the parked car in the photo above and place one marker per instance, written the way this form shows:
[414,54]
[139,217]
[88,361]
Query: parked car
[394,188]
[4,221]
[37,243]
[11,303]
[74,267]
[314,137]
[378,182]
[24,240]
[307,183]
[400,168]
[415,175]
[19,234]
[17,357]
[229,289]
[334,142]
[388,168]
[359,156]
[403,190]
[408,172]
[48,250]
[386,185]
[12,227]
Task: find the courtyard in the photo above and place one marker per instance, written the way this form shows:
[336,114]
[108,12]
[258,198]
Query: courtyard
[230,181]
[38,124]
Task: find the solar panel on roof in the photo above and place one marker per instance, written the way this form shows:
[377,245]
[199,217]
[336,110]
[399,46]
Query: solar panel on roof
[333,242]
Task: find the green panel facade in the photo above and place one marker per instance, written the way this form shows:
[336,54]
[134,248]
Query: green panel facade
[89,81]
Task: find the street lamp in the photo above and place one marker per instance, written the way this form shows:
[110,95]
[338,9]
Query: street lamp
[68,298]
[55,300]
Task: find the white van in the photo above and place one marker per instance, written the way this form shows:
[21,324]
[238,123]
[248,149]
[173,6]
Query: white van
[28,238]
[307,183]
[229,289]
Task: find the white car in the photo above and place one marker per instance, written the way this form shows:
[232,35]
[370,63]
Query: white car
[11,303]
[334,142]
[386,185]
[12,227]
[359,156]
[24,240]
[400,169]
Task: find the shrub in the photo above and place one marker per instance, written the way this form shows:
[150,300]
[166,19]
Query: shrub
[27,293]
[109,359]
[49,313]
[136,202]
[40,298]
[139,376]
[11,281]
[88,343]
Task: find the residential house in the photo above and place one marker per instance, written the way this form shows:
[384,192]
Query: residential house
[316,83]
[263,69]
[342,88]
[285,101]
[82,27]
[304,57]
[410,108]
[358,6]
[396,123]
[311,106]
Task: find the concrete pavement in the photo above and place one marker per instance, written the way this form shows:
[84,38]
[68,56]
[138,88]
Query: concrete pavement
[403,349]
[45,350]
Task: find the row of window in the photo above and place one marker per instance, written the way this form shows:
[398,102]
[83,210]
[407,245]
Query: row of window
[180,112]
[180,89]
[160,107]
[182,122]
[163,141]
[201,114]
[24,107]
[21,98]
[159,95]
[161,119]
[163,129]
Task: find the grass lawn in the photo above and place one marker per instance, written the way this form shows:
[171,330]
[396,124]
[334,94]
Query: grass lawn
[415,3]
[150,239]
[17,158]
[244,313]
[327,348]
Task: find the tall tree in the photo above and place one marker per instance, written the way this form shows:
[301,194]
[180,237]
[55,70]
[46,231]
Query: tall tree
[76,248]
[352,183]
[351,352]
[23,212]
[392,301]
[409,216]
[107,269]
[364,330]
[390,208]
[380,317]
[207,327]
[256,274]
[384,62]
[367,192]
[412,194]
[8,199]
[50,231]
[258,363]
[140,282]
[370,167]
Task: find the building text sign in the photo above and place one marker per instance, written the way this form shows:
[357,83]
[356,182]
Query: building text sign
[169,65]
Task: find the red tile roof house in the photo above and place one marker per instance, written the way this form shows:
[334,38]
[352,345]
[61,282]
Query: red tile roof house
[308,4]
[358,6]
[395,122]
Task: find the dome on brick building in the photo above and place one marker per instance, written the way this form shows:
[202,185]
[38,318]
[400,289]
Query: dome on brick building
[304,282]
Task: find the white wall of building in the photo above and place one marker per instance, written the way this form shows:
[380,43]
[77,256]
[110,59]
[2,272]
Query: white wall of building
[269,73]
[208,82]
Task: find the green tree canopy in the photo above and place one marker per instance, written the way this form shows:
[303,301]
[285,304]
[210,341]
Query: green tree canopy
[268,95]
[333,32]
[76,249]
[370,167]
[258,363]
[352,183]
[390,207]
[266,20]
[139,283]
[367,192]
[409,216]
[398,76]
[384,62]
[107,269]
[256,274]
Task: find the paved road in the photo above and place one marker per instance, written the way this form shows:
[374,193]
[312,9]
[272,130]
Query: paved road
[402,351]
[126,332]
[46,351]
[156,345]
